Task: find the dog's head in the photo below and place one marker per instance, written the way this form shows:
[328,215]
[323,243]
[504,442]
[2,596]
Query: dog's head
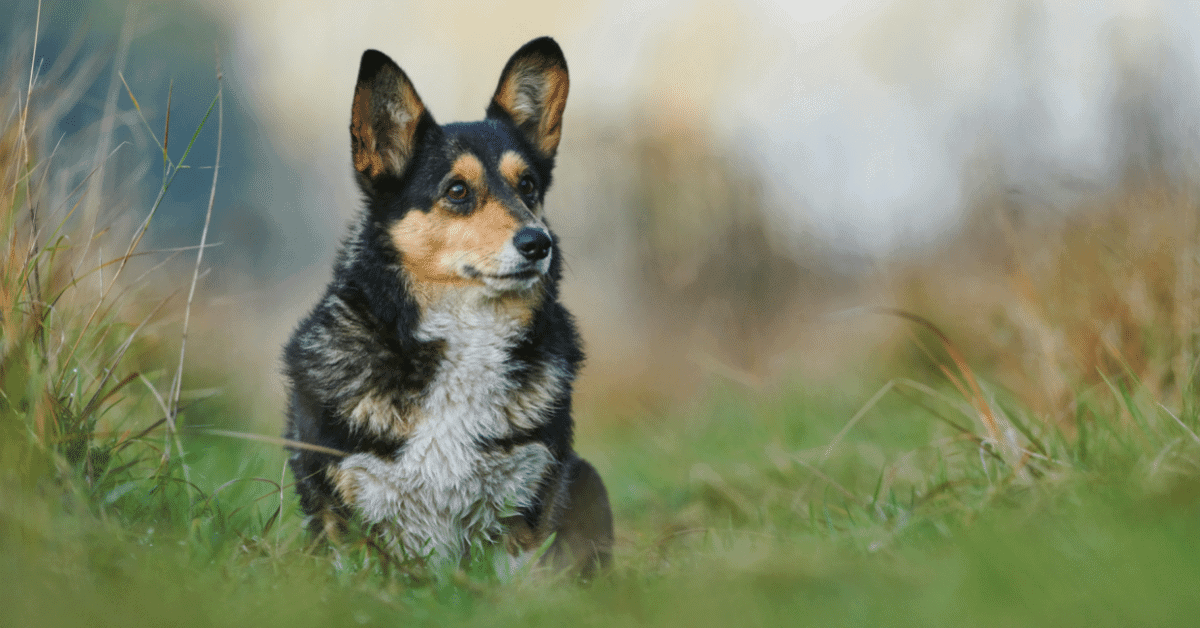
[462,203]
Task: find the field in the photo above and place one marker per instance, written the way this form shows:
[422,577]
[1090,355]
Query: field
[1019,448]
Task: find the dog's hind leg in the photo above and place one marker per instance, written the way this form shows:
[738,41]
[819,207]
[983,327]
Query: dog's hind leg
[585,524]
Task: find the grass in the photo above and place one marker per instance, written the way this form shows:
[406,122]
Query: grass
[938,488]
[716,525]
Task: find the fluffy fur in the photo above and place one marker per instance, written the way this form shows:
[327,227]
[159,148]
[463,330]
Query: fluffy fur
[440,361]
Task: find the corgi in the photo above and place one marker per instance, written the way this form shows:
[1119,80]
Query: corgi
[439,363]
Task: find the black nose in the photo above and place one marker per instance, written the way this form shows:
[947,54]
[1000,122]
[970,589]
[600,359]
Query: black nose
[533,243]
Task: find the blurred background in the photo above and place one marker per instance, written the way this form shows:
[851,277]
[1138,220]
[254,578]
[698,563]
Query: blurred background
[734,178]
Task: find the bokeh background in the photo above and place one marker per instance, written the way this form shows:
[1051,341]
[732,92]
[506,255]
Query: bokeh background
[891,307]
[734,178]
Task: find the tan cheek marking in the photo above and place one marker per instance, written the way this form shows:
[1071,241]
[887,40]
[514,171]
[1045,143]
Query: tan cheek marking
[434,244]
[421,237]
[481,236]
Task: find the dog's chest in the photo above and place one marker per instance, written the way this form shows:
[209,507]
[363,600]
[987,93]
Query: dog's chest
[445,489]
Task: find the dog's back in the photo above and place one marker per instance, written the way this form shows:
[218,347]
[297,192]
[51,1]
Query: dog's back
[440,361]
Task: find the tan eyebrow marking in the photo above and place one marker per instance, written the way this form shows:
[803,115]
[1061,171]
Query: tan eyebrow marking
[468,168]
[512,166]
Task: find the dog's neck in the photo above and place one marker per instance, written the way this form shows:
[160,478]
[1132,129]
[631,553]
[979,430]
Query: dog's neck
[460,311]
[474,316]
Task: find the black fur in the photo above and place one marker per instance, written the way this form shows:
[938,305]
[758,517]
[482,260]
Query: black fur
[360,340]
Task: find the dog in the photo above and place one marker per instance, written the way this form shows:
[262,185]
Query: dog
[431,384]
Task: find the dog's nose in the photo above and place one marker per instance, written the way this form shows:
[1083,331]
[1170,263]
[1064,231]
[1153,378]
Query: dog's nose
[533,243]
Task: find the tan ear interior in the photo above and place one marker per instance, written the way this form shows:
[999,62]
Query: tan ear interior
[383,123]
[535,94]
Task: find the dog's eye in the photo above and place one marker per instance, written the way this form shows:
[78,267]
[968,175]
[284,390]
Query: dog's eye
[457,192]
[527,187]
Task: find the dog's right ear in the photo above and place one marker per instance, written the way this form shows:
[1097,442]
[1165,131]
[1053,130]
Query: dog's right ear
[384,120]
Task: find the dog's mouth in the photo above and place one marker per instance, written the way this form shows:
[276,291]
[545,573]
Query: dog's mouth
[521,275]
[517,280]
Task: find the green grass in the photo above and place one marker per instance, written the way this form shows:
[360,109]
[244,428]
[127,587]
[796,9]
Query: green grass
[715,526]
[884,501]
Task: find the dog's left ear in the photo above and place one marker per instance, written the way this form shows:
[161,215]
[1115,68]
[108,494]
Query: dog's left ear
[533,92]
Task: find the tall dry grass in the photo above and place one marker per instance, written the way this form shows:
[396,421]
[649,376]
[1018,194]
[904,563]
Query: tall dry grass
[87,400]
[1054,302]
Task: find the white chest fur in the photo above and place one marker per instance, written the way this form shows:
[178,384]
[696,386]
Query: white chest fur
[443,492]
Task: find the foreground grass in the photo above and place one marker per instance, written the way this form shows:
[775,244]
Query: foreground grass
[715,527]
[1103,544]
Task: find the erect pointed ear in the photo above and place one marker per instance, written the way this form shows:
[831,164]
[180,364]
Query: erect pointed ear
[384,119]
[533,92]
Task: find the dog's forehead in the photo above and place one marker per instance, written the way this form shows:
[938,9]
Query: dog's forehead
[486,139]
